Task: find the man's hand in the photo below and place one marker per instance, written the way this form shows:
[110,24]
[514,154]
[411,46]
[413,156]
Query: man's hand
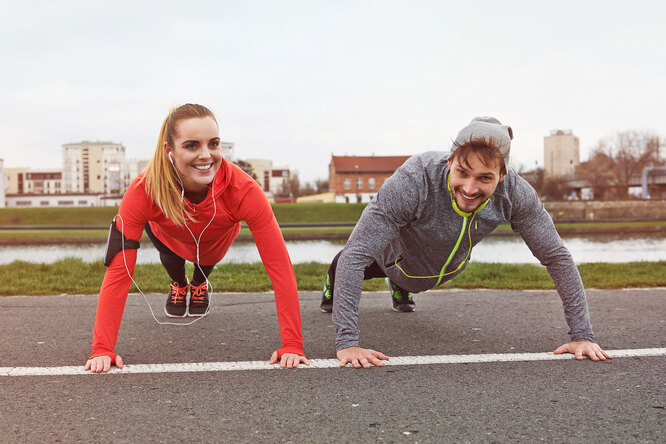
[584,348]
[289,360]
[102,364]
[361,357]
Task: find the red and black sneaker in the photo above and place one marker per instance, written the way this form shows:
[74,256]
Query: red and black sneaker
[198,299]
[176,305]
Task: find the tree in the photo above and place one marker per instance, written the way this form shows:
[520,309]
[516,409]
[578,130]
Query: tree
[554,188]
[535,178]
[290,186]
[245,166]
[321,185]
[598,171]
[307,190]
[618,158]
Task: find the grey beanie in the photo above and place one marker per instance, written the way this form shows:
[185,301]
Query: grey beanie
[481,128]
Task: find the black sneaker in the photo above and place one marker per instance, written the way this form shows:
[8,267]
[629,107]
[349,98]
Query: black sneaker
[176,306]
[402,299]
[198,299]
[327,296]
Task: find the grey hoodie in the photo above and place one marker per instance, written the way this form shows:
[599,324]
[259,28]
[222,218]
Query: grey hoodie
[411,224]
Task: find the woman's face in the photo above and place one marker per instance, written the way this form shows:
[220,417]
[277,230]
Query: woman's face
[196,153]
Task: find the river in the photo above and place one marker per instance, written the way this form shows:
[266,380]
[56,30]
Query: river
[501,249]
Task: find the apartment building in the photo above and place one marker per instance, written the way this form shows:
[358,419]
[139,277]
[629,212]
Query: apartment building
[94,167]
[28,181]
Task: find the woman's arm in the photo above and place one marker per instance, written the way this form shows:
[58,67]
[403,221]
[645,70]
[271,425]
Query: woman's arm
[117,279]
[256,211]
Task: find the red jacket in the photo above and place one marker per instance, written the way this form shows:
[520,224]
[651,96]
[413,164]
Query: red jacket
[237,198]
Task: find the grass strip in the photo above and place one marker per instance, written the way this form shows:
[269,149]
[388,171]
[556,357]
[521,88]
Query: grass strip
[284,213]
[73,276]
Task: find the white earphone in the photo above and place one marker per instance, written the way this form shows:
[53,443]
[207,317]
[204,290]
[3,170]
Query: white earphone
[196,242]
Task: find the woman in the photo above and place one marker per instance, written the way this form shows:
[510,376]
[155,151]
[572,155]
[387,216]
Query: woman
[191,202]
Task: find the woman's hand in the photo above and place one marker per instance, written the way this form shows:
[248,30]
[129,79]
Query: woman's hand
[102,364]
[289,360]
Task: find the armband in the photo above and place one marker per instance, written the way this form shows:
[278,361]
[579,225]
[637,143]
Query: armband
[115,243]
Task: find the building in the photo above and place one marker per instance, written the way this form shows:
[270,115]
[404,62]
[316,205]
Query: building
[262,169]
[327,197]
[277,179]
[270,178]
[3,184]
[228,151]
[26,181]
[134,167]
[561,153]
[95,167]
[358,178]
[93,174]
[58,200]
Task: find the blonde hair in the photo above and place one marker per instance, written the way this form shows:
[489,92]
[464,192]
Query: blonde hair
[161,182]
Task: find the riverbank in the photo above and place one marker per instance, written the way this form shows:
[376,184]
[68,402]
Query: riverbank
[79,237]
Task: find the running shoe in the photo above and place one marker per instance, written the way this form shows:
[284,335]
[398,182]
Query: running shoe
[401,299]
[327,296]
[176,305]
[198,299]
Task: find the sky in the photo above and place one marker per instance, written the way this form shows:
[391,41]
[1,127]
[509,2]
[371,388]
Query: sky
[295,81]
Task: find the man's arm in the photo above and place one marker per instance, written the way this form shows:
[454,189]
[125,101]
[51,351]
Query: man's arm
[536,227]
[395,206]
[546,245]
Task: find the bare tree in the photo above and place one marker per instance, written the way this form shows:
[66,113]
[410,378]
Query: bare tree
[535,178]
[629,152]
[554,188]
[290,186]
[307,189]
[321,185]
[598,171]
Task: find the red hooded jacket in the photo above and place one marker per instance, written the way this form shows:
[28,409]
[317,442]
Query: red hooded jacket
[237,198]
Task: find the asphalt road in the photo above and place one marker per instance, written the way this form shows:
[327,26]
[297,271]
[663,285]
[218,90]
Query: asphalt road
[622,400]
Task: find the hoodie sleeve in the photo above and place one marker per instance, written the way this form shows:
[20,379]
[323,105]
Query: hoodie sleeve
[113,293]
[256,211]
[396,204]
[531,220]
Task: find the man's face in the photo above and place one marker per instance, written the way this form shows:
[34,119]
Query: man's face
[473,184]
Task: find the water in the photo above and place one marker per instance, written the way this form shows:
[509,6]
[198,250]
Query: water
[502,249]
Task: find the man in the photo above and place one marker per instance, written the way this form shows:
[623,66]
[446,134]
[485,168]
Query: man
[420,229]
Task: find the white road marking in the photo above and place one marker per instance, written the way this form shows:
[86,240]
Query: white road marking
[317,363]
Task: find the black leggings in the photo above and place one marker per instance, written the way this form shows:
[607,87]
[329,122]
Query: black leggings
[371,271]
[174,264]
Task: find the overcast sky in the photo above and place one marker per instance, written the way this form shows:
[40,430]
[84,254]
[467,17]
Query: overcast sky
[294,81]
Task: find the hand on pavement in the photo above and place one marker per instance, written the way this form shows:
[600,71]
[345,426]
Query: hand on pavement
[584,348]
[361,357]
[102,364]
[289,360]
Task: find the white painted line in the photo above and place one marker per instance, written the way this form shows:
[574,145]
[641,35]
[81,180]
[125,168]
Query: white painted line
[317,363]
